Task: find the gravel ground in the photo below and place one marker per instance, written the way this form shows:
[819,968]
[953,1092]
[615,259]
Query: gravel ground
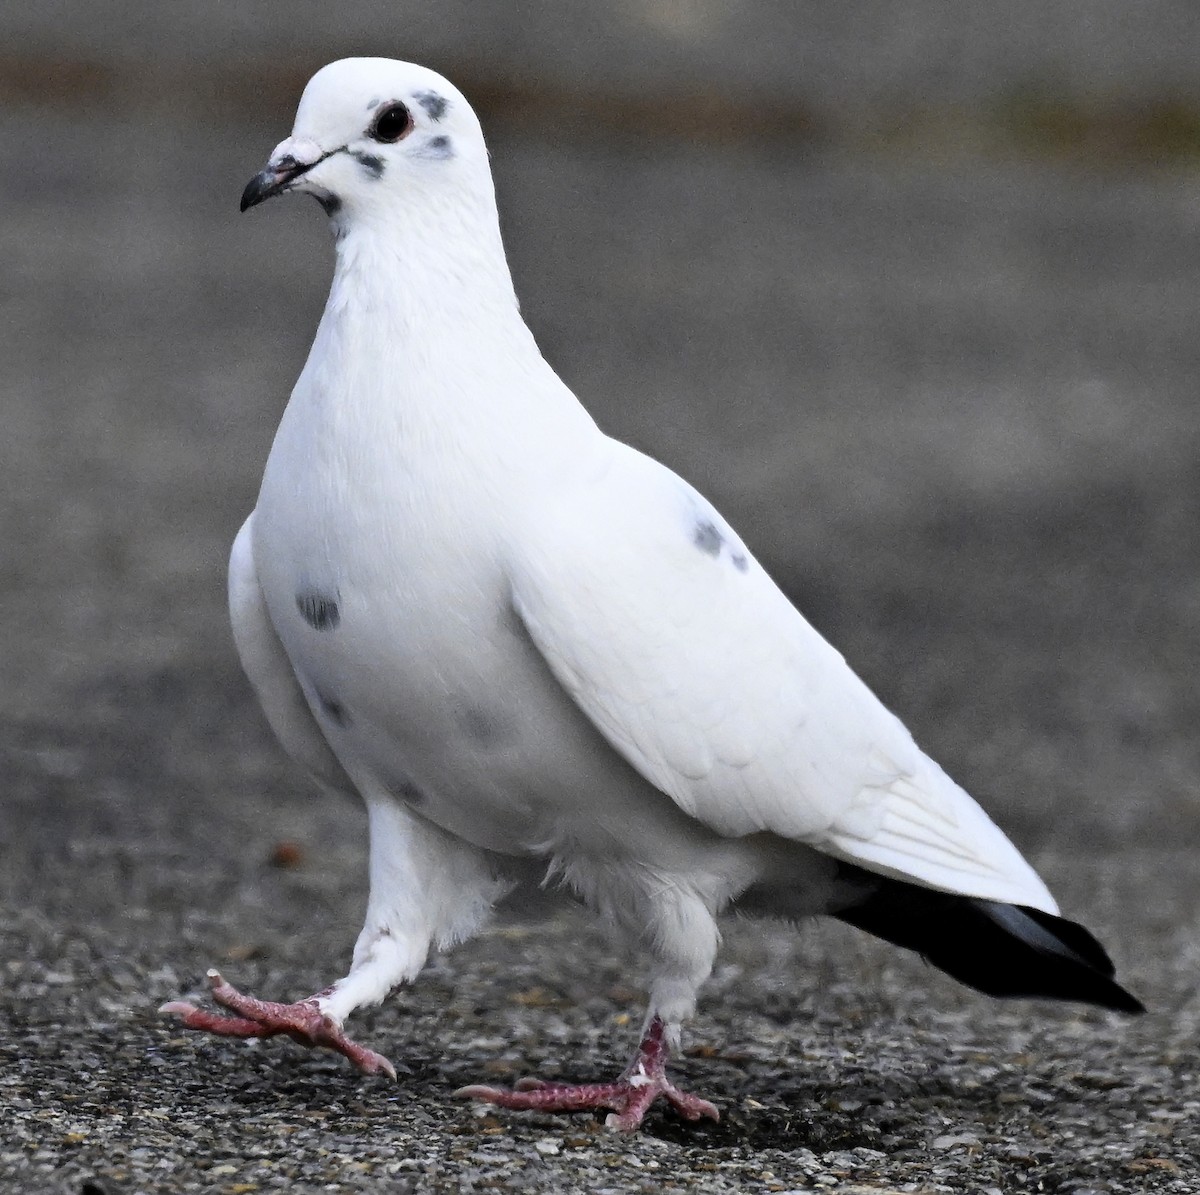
[952,405]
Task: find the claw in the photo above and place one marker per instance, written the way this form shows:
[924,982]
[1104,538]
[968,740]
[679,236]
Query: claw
[303,1022]
[628,1098]
[478,1091]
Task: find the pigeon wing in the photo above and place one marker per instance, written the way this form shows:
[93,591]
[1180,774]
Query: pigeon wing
[270,671]
[682,651]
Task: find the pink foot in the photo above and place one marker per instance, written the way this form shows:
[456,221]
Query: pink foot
[302,1022]
[629,1097]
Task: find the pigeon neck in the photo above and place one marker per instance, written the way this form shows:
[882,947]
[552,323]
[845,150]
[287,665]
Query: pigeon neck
[422,321]
[420,264]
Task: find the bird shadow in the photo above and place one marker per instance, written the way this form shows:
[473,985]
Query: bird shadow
[787,1128]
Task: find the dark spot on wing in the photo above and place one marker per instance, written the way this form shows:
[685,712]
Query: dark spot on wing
[333,709]
[318,610]
[708,538]
[711,540]
[435,105]
[477,724]
[409,792]
[331,203]
[372,164]
[437,147]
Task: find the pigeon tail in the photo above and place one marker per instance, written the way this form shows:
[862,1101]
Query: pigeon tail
[999,949]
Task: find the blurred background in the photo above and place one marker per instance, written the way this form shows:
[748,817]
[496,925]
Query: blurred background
[911,290]
[913,298]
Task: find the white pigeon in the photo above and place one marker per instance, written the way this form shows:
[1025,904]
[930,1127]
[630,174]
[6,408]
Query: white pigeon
[537,653]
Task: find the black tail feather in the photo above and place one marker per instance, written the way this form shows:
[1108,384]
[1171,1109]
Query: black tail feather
[1003,950]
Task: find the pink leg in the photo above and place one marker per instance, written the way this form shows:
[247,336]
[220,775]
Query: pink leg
[629,1097]
[302,1022]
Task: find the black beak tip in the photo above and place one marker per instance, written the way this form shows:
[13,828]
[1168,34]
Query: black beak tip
[262,186]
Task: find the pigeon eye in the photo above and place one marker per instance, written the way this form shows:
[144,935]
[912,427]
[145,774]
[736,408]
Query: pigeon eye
[393,122]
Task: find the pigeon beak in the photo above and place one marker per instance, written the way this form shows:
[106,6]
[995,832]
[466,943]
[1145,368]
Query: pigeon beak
[266,183]
[291,159]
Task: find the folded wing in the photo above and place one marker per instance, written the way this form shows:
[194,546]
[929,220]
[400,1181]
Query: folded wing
[270,671]
[692,663]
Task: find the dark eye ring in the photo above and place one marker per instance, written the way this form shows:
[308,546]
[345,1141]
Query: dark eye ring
[391,124]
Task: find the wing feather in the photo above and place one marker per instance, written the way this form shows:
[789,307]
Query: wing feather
[691,662]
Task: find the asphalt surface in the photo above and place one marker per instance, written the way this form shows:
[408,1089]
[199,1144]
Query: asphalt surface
[951,404]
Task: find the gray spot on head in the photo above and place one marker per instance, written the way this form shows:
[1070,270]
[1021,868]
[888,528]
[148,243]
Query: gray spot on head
[739,561]
[372,164]
[333,709]
[331,203]
[708,538]
[318,609]
[373,105]
[437,147]
[435,105]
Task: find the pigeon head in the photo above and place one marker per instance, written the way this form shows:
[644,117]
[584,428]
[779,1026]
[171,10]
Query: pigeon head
[371,132]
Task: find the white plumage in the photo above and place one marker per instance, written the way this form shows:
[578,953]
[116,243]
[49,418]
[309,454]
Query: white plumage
[531,649]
